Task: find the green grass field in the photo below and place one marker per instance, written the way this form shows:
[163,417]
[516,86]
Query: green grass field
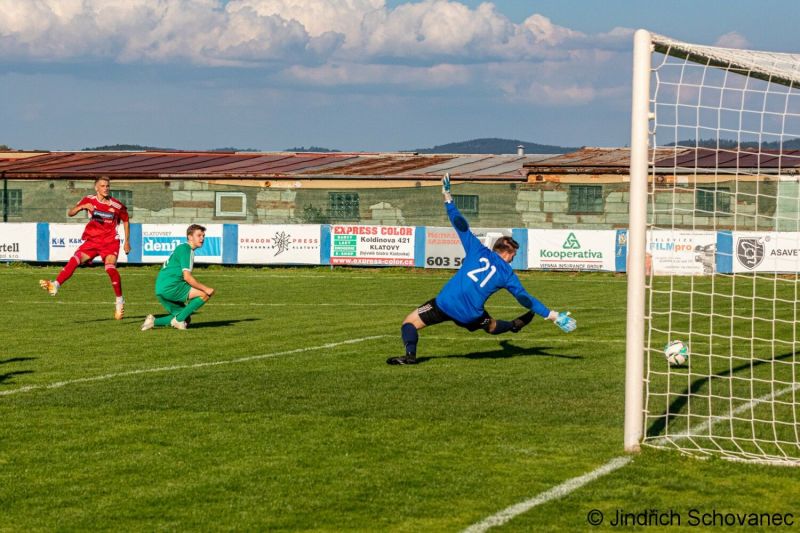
[276,410]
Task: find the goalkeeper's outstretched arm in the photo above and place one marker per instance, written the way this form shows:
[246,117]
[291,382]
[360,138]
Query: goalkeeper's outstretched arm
[561,319]
[469,241]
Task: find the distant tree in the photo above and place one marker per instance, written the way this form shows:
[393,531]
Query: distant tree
[311,149]
[127,148]
[495,146]
[5,148]
[730,144]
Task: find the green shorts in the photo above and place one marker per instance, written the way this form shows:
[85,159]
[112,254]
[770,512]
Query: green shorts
[174,292]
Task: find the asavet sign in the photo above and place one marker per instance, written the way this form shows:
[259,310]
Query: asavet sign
[572,249]
[766,251]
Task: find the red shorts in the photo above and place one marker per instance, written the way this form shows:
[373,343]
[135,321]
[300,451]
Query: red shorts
[99,248]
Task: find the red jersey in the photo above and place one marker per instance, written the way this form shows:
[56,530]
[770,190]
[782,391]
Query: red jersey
[104,219]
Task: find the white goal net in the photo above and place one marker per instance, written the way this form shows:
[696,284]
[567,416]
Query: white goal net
[721,252]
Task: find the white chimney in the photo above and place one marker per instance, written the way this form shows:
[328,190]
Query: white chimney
[521,150]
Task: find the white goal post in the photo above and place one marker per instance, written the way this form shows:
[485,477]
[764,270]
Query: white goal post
[714,251]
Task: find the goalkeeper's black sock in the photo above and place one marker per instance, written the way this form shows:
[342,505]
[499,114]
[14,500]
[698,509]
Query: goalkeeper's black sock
[522,321]
[410,337]
[501,326]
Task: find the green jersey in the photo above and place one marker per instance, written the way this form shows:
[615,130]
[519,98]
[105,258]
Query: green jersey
[171,274]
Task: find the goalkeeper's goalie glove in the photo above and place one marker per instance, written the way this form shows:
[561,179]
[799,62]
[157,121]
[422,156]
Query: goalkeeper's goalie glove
[563,321]
[446,188]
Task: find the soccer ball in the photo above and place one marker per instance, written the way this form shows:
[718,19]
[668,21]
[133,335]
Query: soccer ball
[677,353]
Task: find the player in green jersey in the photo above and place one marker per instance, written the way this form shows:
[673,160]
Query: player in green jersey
[176,288]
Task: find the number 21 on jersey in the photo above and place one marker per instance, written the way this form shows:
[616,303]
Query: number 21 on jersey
[473,274]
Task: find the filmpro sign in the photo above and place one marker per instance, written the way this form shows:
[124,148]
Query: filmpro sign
[681,252]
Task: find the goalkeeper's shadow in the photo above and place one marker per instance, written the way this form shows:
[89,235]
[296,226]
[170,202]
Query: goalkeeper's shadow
[506,351]
[679,403]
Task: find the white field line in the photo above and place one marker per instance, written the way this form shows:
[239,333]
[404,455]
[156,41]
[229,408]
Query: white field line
[703,429]
[559,491]
[154,370]
[520,337]
[573,484]
[56,301]
[445,275]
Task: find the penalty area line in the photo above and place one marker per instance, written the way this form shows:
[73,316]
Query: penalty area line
[172,368]
[573,484]
[559,491]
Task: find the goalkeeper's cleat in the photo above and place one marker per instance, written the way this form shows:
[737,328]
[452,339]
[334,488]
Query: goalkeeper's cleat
[177,325]
[566,322]
[119,310]
[408,359]
[149,322]
[49,286]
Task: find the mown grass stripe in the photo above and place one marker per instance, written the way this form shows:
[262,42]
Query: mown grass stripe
[59,384]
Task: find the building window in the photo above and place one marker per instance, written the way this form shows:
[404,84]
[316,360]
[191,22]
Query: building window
[126,197]
[466,203]
[585,198]
[343,206]
[231,204]
[711,200]
[14,208]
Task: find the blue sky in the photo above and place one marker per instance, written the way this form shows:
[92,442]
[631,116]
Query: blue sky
[372,75]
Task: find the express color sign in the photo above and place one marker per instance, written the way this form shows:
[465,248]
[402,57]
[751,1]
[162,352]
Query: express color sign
[372,245]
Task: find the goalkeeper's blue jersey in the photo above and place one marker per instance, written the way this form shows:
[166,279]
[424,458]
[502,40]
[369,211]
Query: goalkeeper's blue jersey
[482,273]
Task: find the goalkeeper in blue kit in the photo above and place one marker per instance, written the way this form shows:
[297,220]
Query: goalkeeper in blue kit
[483,272]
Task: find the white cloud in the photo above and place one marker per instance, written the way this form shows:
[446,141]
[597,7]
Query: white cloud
[323,43]
[732,40]
[350,74]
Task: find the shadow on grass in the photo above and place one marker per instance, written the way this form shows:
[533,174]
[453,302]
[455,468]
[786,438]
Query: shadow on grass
[8,376]
[221,323]
[679,403]
[506,351]
[193,325]
[16,360]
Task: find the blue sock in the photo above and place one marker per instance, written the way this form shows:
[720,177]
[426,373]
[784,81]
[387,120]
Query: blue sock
[501,326]
[410,338]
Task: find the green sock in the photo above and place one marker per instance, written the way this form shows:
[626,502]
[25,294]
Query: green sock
[163,320]
[193,305]
[173,308]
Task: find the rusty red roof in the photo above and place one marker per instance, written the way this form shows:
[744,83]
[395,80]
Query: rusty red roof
[672,159]
[216,165]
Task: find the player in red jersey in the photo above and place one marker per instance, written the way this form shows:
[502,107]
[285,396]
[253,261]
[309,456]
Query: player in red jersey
[99,239]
